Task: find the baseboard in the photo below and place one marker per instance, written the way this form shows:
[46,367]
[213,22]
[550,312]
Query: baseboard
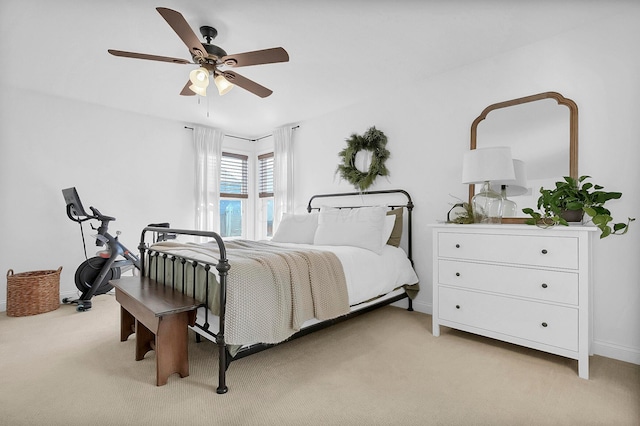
[615,351]
[599,347]
[68,294]
[71,295]
[425,308]
[417,306]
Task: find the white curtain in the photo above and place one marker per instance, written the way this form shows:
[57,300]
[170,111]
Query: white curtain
[208,147]
[282,173]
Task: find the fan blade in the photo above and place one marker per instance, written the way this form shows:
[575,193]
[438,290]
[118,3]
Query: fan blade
[246,84]
[149,57]
[184,31]
[257,57]
[186,91]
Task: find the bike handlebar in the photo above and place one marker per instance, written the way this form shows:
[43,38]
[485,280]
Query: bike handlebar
[104,226]
[100,216]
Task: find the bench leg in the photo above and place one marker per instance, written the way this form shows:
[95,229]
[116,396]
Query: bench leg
[145,340]
[127,324]
[172,343]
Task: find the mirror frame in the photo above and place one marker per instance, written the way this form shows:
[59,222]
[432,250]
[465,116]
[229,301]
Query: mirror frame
[573,133]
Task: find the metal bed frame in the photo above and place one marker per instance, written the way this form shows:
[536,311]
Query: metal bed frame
[222,267]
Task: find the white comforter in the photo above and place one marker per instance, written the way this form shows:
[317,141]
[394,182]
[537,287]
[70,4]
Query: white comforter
[368,274]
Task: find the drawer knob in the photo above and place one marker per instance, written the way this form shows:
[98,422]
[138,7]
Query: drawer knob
[457,245]
[457,274]
[457,306]
[544,324]
[544,251]
[544,285]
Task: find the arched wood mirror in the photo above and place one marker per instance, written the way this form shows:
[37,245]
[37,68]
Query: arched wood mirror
[542,131]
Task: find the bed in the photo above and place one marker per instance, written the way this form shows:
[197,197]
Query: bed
[350,253]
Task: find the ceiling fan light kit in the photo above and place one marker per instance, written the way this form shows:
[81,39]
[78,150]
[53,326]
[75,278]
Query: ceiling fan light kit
[200,77]
[222,84]
[202,91]
[211,58]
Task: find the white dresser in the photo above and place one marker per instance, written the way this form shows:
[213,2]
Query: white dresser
[516,283]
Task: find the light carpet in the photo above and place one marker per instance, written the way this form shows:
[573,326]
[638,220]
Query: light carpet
[381,368]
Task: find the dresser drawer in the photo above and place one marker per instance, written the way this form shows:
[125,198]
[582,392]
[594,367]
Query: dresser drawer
[538,322]
[555,252]
[541,284]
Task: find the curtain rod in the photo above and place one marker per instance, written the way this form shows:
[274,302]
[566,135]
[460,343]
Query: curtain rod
[246,139]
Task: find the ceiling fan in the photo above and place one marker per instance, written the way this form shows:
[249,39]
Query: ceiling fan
[211,58]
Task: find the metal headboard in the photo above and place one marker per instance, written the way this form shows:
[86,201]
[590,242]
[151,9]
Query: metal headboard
[408,205]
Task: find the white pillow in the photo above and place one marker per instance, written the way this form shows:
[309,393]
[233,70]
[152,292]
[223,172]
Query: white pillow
[296,228]
[389,223]
[360,227]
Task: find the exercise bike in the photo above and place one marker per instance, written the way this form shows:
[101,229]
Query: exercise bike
[93,275]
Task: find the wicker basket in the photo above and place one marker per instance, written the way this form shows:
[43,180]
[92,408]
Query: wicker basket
[32,293]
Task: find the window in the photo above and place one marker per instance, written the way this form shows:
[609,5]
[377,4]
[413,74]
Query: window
[265,186]
[265,193]
[233,193]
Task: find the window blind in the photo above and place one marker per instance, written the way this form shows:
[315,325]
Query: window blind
[233,175]
[265,180]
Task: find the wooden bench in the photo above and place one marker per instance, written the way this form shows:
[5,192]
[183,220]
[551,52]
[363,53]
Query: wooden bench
[160,317]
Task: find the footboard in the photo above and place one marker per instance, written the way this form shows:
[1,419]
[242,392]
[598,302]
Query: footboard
[180,273]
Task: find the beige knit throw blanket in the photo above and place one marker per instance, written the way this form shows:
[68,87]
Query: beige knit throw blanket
[271,291]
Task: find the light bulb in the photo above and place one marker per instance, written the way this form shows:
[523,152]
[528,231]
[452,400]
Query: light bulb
[200,77]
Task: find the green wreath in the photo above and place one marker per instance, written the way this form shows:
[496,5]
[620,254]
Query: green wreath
[373,140]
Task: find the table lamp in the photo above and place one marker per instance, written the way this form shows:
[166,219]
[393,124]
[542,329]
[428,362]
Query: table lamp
[486,165]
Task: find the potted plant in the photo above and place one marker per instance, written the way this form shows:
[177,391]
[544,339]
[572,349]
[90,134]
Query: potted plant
[573,196]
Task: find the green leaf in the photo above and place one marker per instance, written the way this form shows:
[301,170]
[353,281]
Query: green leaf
[618,226]
[573,205]
[601,219]
[601,210]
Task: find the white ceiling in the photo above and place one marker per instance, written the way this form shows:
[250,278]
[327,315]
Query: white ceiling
[341,51]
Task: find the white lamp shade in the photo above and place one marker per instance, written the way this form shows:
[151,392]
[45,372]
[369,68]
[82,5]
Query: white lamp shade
[517,186]
[488,165]
[202,91]
[200,80]
[222,84]
[200,77]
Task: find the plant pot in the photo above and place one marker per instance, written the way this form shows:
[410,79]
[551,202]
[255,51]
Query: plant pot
[572,215]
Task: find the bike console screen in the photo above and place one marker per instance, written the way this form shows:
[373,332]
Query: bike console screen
[74,206]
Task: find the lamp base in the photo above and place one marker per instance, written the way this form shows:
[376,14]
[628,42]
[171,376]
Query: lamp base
[487,205]
[509,208]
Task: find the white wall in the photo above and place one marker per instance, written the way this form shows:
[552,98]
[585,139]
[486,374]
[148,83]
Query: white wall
[135,168]
[428,128]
